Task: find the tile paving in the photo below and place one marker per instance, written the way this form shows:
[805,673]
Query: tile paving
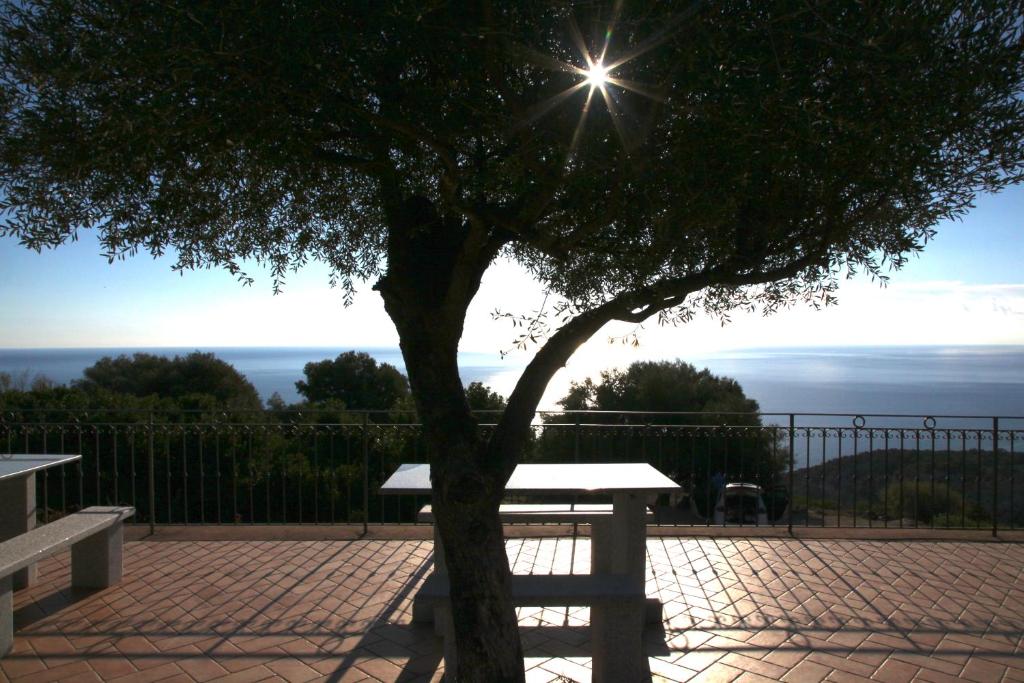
[739,609]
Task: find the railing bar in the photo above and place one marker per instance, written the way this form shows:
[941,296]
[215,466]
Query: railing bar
[217,477]
[856,435]
[184,473]
[995,476]
[902,455]
[151,465]
[932,433]
[949,470]
[167,454]
[807,479]
[963,478]
[79,469]
[334,474]
[917,478]
[266,489]
[824,469]
[114,468]
[202,476]
[96,453]
[252,479]
[235,517]
[977,521]
[64,477]
[284,490]
[46,483]
[1013,468]
[316,478]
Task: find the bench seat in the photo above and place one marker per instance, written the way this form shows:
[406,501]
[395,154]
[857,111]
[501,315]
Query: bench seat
[95,536]
[548,590]
[566,513]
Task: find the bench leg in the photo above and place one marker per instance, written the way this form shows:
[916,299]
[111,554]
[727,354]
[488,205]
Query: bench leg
[98,561]
[17,516]
[6,616]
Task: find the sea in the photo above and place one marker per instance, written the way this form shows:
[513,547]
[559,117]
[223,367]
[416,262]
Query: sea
[880,380]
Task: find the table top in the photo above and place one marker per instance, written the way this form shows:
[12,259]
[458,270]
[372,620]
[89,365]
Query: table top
[571,478]
[22,464]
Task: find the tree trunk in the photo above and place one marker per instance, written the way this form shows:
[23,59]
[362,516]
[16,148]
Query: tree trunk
[467,486]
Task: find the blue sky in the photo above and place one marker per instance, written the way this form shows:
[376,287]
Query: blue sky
[967,288]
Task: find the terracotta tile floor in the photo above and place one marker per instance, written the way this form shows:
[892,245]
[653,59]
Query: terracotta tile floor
[736,609]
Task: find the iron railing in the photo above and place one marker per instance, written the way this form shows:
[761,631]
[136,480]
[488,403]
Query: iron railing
[315,467]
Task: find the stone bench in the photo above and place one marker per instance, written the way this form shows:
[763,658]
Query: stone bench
[546,590]
[96,538]
[564,513]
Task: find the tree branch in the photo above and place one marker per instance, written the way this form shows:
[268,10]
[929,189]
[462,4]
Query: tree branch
[634,306]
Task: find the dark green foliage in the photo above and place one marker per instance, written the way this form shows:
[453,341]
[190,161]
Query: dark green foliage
[959,487]
[480,397]
[666,386]
[924,502]
[183,378]
[355,379]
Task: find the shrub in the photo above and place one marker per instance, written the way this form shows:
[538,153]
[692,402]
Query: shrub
[924,501]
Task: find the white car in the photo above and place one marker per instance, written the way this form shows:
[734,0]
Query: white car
[740,503]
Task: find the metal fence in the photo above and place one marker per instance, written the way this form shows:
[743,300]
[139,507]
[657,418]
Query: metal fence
[278,467]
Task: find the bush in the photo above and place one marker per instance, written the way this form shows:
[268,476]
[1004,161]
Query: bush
[924,502]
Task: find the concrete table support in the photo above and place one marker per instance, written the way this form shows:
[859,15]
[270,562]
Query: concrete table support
[17,516]
[618,546]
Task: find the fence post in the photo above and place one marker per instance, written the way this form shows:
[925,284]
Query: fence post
[152,480]
[995,477]
[792,489]
[366,473]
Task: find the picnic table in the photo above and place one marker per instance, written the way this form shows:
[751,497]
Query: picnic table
[615,588]
[18,499]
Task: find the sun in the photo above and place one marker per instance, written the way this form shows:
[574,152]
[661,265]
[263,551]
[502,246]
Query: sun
[597,75]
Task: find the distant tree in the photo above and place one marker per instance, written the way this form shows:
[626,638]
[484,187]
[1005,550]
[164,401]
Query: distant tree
[195,374]
[738,154]
[480,397]
[356,379]
[664,386]
[25,381]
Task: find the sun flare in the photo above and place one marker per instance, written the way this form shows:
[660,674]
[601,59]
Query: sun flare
[597,75]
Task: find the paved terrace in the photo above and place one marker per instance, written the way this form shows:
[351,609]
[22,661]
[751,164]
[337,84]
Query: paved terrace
[743,609]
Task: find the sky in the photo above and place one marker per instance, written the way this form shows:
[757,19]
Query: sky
[966,288]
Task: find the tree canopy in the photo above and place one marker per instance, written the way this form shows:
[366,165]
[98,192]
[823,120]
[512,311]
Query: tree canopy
[354,378]
[481,397]
[196,373]
[753,143]
[669,386]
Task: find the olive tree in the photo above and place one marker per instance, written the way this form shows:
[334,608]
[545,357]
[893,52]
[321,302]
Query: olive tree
[639,159]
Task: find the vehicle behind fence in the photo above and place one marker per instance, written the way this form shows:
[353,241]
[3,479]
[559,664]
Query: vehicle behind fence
[319,467]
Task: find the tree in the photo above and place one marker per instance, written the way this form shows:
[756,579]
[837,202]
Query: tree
[196,373]
[354,378]
[480,397]
[662,386]
[738,154]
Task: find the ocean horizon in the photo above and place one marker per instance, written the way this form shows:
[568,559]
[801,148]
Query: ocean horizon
[918,380]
